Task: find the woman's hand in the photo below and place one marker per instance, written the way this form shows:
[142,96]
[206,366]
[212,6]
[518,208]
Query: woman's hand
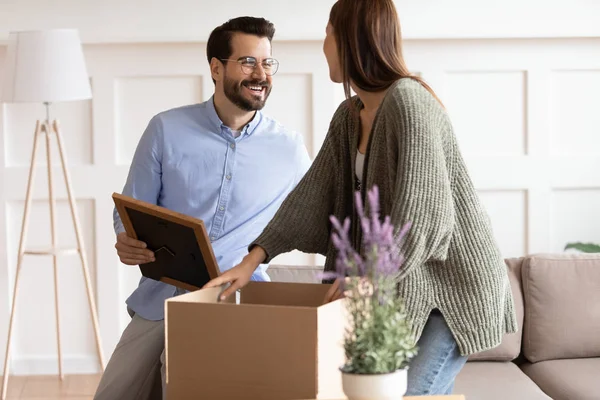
[335,292]
[361,286]
[240,275]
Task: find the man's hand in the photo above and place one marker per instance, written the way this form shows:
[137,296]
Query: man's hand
[132,251]
[240,275]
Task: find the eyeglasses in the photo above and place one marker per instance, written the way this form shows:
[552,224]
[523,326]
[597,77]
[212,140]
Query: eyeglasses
[249,64]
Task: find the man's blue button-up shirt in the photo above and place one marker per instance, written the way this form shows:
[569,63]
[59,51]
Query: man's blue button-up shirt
[189,162]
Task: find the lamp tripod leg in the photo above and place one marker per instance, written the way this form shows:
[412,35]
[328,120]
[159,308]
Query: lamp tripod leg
[53,236]
[21,252]
[80,245]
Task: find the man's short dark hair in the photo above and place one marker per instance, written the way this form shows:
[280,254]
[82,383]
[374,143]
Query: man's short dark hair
[219,41]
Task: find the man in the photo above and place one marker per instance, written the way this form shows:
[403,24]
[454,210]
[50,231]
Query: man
[222,161]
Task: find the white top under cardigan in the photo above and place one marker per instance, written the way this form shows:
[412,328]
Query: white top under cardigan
[360,162]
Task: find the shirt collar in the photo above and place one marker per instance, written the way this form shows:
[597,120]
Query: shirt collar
[248,129]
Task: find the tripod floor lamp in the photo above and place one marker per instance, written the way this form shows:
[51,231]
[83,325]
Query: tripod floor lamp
[47,67]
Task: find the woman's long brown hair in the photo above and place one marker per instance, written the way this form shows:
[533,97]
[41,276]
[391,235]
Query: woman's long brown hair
[369,45]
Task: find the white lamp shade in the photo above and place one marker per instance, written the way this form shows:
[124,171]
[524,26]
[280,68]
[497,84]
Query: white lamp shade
[45,66]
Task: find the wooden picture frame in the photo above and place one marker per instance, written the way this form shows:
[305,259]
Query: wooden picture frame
[183,252]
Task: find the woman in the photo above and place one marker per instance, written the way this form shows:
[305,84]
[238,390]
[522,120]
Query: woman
[396,134]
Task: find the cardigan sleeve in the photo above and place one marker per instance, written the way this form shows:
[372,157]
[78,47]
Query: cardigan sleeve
[302,221]
[423,189]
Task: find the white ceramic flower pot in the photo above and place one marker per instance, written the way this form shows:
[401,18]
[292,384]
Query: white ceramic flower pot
[375,387]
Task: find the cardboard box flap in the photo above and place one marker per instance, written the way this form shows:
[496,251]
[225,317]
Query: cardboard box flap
[210,295]
[284,294]
[332,322]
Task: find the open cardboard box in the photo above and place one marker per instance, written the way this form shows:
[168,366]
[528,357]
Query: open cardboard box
[278,341]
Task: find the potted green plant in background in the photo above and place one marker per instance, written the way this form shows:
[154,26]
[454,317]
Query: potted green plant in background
[583,247]
[378,343]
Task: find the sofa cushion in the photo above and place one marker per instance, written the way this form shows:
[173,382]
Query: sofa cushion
[494,380]
[510,347]
[567,379]
[294,273]
[562,306]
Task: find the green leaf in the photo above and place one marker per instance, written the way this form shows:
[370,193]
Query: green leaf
[584,247]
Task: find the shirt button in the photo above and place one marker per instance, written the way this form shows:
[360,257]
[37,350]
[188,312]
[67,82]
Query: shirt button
[221,208]
[228,177]
[213,238]
[232,145]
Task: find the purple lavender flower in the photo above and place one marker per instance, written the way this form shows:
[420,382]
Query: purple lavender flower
[380,244]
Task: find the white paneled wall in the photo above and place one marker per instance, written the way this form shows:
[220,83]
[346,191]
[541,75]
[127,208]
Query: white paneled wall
[525,112]
[185,20]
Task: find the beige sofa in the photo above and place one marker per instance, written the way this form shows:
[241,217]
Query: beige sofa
[555,354]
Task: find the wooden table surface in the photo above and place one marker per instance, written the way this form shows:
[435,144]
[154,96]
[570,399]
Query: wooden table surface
[451,397]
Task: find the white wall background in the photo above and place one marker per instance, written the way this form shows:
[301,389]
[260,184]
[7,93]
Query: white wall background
[520,81]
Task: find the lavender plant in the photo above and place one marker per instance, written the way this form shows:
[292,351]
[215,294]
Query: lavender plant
[378,338]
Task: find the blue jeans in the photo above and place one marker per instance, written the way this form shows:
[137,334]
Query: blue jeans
[438,362]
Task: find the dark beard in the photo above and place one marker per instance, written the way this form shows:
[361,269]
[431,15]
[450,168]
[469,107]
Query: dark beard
[233,91]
